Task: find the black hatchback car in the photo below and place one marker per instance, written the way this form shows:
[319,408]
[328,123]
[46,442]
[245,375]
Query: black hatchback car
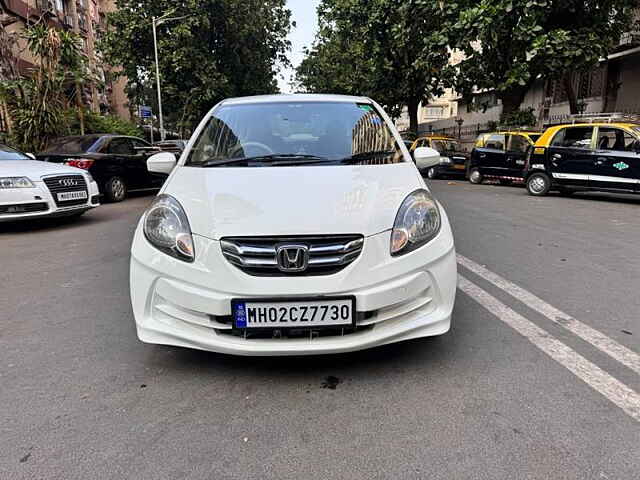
[500,156]
[593,154]
[117,163]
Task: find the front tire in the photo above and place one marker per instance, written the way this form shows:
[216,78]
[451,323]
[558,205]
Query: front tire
[115,189]
[432,173]
[475,176]
[538,184]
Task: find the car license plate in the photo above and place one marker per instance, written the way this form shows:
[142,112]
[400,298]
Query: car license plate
[459,167]
[65,196]
[313,313]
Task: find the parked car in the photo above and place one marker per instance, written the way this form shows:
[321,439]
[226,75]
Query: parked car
[453,158]
[295,224]
[500,156]
[118,163]
[593,154]
[173,146]
[31,189]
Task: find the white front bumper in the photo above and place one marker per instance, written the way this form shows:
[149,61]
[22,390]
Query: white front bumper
[176,303]
[40,194]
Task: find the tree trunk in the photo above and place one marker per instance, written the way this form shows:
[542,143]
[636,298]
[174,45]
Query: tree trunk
[567,83]
[412,107]
[512,99]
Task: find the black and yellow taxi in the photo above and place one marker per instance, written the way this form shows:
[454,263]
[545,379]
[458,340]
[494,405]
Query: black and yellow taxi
[453,158]
[589,154]
[500,155]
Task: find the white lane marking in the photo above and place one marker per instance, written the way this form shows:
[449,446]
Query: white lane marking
[598,339]
[614,390]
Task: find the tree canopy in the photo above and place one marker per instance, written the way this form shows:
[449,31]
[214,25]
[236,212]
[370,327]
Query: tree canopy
[395,51]
[508,44]
[223,48]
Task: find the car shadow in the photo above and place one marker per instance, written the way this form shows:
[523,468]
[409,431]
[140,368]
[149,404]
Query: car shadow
[629,199]
[378,360]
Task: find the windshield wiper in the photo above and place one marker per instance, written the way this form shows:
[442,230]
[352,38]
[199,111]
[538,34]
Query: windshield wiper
[363,156]
[283,159]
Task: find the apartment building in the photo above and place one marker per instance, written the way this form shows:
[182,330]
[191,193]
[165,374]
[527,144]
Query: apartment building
[88,19]
[610,86]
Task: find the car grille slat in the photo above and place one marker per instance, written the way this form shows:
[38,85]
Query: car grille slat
[256,256]
[55,186]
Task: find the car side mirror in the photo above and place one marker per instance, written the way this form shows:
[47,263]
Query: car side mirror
[31,156]
[162,162]
[426,157]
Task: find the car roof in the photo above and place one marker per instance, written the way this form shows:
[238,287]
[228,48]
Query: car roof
[550,132]
[436,137]
[296,97]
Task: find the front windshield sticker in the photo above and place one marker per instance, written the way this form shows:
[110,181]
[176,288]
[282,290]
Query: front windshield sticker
[366,108]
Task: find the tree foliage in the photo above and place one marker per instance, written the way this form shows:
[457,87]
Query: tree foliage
[223,48]
[508,44]
[394,51]
[37,102]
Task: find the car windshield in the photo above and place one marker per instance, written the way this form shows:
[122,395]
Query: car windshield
[7,153]
[290,133]
[445,145]
[72,145]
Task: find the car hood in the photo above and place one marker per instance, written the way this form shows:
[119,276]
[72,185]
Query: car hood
[303,200]
[34,169]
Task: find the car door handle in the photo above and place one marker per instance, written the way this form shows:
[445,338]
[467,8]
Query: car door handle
[483,155]
[600,161]
[556,156]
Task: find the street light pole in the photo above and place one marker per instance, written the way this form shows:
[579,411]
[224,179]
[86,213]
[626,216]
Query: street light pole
[155,22]
[155,48]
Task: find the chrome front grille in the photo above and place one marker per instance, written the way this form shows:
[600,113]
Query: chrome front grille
[327,254]
[66,183]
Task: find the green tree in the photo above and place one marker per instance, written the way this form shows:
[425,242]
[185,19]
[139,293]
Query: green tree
[394,51]
[508,44]
[223,48]
[37,103]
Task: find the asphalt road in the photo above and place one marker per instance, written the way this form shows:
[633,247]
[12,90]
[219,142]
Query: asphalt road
[509,393]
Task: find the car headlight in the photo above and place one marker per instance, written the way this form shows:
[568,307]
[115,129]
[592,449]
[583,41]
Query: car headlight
[417,222]
[15,182]
[445,161]
[166,227]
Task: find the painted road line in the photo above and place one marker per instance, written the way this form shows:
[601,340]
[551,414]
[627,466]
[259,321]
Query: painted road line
[614,390]
[590,335]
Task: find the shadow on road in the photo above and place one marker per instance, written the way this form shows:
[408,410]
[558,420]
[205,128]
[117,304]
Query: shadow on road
[387,359]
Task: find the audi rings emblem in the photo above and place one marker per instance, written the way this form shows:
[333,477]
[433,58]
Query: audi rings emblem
[68,182]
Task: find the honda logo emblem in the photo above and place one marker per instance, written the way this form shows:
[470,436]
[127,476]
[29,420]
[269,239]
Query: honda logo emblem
[292,258]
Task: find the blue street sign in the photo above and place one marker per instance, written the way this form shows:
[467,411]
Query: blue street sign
[145,112]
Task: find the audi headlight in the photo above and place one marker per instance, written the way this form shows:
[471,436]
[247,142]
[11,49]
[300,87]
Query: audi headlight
[445,161]
[417,222]
[166,227]
[15,182]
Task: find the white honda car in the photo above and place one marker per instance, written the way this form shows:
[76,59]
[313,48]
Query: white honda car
[291,225]
[32,189]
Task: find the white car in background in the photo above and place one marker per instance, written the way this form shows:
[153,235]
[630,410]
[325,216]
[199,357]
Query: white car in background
[292,225]
[31,189]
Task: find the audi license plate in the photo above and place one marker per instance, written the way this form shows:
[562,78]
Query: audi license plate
[66,196]
[314,313]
